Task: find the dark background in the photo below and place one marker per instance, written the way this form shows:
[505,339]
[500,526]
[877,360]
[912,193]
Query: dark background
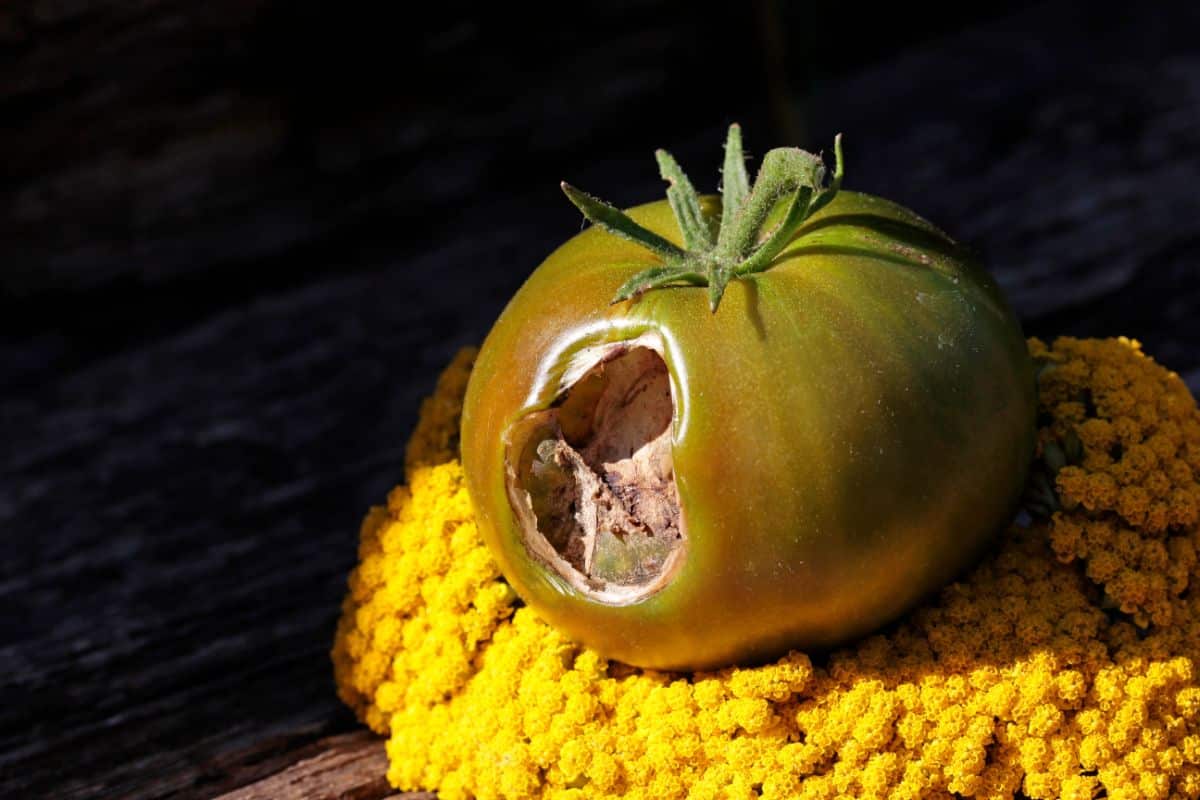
[239,238]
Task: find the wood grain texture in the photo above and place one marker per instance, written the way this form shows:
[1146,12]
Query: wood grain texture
[346,767]
[217,315]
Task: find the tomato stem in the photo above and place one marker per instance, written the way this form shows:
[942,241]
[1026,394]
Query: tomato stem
[716,252]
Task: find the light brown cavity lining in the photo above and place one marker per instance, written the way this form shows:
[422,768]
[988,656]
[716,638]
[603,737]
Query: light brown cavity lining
[592,480]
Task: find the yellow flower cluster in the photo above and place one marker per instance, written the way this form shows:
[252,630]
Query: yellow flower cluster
[1132,502]
[423,597]
[435,440]
[1020,680]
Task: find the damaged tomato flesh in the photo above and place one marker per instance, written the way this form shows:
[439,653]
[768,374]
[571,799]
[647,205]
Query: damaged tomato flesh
[597,480]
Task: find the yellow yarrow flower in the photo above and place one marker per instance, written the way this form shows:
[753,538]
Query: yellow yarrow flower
[1063,666]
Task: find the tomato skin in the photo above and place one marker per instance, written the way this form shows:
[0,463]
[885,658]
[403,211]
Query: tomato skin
[851,428]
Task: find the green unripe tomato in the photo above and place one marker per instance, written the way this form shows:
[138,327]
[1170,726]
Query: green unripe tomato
[683,488]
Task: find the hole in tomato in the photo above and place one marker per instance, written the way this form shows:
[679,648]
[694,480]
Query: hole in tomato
[594,485]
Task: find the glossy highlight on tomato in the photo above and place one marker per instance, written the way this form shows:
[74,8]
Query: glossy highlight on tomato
[692,477]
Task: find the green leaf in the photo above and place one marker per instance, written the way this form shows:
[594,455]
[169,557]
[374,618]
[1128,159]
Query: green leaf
[716,288]
[618,223]
[685,203]
[735,183]
[784,170]
[799,210]
[839,172]
[656,278]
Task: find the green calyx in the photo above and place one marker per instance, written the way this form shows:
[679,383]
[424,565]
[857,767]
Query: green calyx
[717,251]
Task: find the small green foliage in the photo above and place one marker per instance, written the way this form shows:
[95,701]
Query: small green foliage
[718,251]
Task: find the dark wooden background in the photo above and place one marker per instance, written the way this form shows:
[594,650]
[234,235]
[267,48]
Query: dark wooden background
[239,238]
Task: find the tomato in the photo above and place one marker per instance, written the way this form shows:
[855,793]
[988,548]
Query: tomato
[693,477]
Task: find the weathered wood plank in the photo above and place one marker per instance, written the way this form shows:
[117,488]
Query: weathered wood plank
[180,481]
[346,767]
